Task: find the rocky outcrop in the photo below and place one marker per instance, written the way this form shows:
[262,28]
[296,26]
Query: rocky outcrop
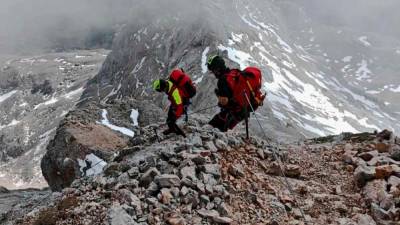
[76,138]
[15,204]
[377,173]
[87,137]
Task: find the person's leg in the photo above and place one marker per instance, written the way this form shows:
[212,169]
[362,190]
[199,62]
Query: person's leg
[170,122]
[172,127]
[234,118]
[219,121]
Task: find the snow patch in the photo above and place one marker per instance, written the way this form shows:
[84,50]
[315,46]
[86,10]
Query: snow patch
[364,41]
[347,59]
[73,93]
[240,57]
[363,72]
[373,92]
[107,123]
[91,165]
[204,60]
[11,124]
[134,117]
[7,95]
[397,90]
[237,37]
[51,101]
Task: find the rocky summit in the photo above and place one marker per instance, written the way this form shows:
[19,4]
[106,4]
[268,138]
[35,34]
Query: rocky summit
[224,178]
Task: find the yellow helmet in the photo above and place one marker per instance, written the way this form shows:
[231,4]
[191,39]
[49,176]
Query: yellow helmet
[156,85]
[159,85]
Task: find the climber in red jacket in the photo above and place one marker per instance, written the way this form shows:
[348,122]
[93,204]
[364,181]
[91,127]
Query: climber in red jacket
[176,109]
[238,92]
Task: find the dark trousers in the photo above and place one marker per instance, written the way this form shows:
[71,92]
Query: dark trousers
[171,122]
[227,119]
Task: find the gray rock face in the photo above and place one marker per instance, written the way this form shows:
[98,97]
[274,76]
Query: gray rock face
[15,204]
[36,92]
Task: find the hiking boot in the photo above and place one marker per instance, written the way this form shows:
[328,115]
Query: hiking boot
[167,131]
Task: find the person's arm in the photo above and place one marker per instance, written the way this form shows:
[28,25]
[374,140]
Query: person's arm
[223,92]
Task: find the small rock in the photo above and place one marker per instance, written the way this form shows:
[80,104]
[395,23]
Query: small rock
[363,174]
[387,202]
[195,140]
[364,219]
[152,189]
[123,178]
[118,216]
[210,146]
[383,172]
[184,191]
[375,191]
[167,180]
[293,171]
[176,220]
[133,172]
[236,171]
[340,206]
[199,160]
[165,196]
[221,145]
[349,157]
[260,154]
[382,147]
[189,171]
[394,181]
[112,169]
[385,135]
[207,213]
[367,156]
[204,199]
[222,220]
[148,177]
[395,153]
[214,169]
[348,147]
[378,213]
[4,190]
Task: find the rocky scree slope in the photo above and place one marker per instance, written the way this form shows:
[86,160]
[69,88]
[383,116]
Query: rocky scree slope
[221,178]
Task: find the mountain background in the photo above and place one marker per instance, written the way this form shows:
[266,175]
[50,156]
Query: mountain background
[329,67]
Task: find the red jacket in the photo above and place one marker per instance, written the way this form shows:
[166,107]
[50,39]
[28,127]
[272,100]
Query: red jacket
[176,99]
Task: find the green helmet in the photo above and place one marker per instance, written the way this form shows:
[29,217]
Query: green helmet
[159,85]
[215,62]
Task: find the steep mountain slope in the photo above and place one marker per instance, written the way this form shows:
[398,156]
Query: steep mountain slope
[313,87]
[221,178]
[35,94]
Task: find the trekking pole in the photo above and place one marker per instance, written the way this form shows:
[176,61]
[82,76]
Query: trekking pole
[247,127]
[202,110]
[289,187]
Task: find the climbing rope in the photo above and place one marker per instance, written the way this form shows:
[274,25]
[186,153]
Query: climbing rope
[201,110]
[276,156]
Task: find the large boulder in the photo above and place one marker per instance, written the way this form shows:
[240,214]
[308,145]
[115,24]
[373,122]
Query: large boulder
[74,141]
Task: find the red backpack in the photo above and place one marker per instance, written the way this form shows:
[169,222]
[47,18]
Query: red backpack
[246,83]
[183,82]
